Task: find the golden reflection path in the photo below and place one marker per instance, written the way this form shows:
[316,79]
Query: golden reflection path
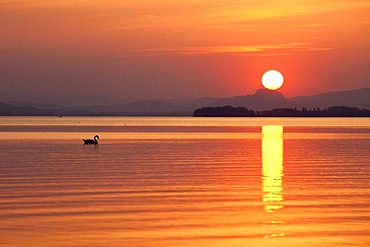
[272,171]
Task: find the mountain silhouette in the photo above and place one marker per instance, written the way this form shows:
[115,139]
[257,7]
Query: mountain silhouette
[10,110]
[261,100]
[61,99]
[354,98]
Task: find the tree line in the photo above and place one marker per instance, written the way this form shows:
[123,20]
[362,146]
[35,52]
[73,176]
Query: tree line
[230,111]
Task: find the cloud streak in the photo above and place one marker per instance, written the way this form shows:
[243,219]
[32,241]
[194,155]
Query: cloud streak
[248,50]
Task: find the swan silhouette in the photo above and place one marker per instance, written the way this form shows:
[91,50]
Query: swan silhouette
[90,141]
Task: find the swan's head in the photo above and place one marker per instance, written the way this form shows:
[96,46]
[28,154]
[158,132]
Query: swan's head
[96,136]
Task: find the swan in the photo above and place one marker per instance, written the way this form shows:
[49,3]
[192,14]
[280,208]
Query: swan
[90,141]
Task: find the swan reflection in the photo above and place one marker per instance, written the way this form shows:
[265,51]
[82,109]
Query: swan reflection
[272,167]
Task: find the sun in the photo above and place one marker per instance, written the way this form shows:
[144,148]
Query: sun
[272,79]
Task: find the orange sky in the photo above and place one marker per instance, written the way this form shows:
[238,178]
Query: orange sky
[183,48]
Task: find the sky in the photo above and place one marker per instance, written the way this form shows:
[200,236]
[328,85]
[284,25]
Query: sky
[167,49]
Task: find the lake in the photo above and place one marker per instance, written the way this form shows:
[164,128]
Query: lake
[182,181]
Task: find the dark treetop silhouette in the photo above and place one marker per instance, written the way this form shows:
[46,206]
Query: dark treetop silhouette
[229,111]
[90,141]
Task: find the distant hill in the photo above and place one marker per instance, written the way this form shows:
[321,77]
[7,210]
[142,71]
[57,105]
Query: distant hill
[355,98]
[84,104]
[79,104]
[10,110]
[194,103]
[143,107]
[224,111]
[35,105]
[263,99]
[61,99]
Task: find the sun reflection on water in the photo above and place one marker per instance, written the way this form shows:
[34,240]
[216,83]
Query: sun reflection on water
[272,171]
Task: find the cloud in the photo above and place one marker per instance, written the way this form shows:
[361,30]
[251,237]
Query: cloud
[249,50]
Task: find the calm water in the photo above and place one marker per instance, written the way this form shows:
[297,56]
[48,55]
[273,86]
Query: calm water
[184,182]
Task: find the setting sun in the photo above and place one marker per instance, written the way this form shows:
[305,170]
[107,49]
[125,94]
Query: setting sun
[272,79]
